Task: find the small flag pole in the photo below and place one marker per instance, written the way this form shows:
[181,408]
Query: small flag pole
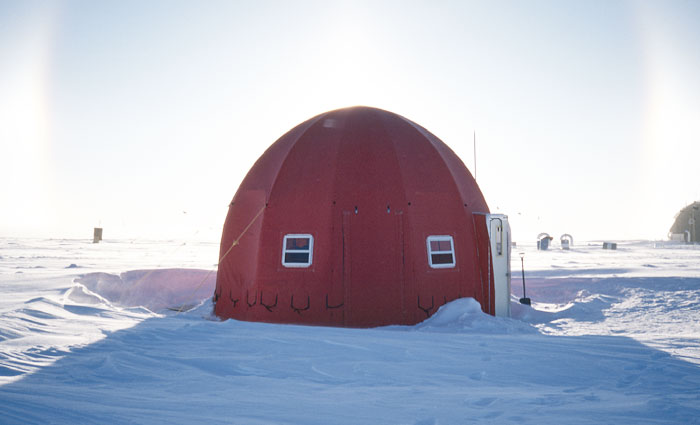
[474,154]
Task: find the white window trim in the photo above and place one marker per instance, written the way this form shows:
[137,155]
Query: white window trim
[439,238]
[310,250]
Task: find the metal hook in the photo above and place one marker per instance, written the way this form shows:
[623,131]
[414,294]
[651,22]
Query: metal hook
[268,307]
[299,310]
[328,307]
[247,299]
[231,298]
[427,310]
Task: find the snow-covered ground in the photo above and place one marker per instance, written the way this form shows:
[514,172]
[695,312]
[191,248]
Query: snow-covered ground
[614,337]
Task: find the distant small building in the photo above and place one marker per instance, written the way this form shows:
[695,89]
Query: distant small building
[543,241]
[684,228]
[567,241]
[97,235]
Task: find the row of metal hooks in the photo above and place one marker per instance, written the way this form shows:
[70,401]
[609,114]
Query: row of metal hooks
[270,307]
[299,309]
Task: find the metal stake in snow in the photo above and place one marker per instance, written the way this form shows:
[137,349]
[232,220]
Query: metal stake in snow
[524,300]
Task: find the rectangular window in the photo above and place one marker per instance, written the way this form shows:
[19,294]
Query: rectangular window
[441,252]
[297,250]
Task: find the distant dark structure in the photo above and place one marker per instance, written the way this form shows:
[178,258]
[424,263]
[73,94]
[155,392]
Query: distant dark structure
[97,235]
[609,245]
[684,228]
[543,241]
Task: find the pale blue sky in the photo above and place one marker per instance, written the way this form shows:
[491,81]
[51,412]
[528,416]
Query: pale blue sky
[143,117]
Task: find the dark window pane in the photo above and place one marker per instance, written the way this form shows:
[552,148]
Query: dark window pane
[445,246]
[442,258]
[297,243]
[296,257]
[434,246]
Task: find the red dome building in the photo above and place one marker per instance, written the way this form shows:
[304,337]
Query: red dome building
[357,217]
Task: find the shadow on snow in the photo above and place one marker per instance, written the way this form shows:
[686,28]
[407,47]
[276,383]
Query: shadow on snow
[184,369]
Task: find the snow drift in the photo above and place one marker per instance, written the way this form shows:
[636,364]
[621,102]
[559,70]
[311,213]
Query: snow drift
[153,289]
[608,340]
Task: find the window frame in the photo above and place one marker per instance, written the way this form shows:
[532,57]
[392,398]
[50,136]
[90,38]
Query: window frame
[441,238]
[310,251]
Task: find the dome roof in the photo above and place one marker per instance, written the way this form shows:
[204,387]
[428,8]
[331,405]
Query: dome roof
[363,151]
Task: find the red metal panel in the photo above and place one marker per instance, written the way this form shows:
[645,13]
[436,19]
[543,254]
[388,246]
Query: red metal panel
[486,280]
[373,268]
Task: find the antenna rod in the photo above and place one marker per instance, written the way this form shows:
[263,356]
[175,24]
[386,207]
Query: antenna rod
[474,154]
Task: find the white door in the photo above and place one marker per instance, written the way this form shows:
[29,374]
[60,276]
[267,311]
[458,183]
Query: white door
[499,233]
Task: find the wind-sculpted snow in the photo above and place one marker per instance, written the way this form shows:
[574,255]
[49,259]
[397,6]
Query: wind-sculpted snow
[153,289]
[652,310]
[608,339]
[45,313]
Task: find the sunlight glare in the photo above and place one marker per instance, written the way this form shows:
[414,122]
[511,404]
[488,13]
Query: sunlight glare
[25,133]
